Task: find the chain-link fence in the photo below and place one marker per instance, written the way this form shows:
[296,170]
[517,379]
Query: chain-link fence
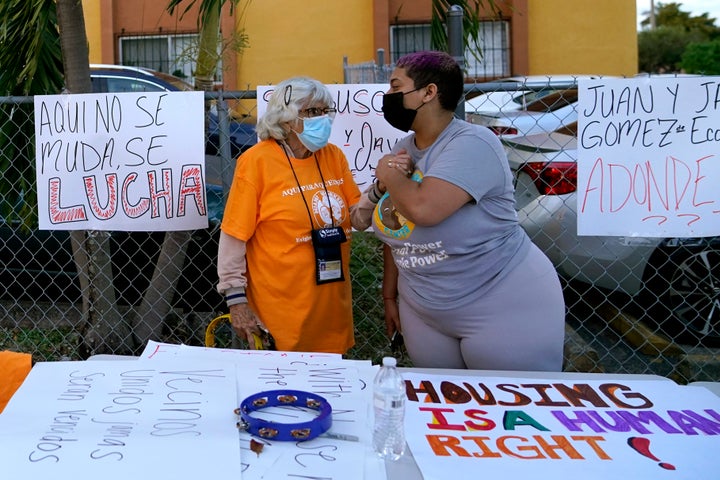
[641,304]
[633,305]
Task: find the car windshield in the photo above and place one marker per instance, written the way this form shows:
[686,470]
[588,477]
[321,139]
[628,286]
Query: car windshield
[553,101]
[175,81]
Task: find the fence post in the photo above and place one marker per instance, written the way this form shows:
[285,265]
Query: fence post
[379,76]
[223,119]
[456,46]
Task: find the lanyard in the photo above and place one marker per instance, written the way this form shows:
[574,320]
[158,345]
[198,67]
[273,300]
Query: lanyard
[327,195]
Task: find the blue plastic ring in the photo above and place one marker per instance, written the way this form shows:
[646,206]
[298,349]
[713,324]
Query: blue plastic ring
[285,431]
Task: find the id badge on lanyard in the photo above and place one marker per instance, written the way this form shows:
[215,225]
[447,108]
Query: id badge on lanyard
[328,254]
[326,241]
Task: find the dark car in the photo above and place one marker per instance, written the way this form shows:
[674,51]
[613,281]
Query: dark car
[38,264]
[118,79]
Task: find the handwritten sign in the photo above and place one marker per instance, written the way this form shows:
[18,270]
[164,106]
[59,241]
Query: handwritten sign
[127,161]
[591,429]
[338,454]
[649,157]
[122,419]
[359,128]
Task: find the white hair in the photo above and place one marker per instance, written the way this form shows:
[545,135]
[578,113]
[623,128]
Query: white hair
[288,98]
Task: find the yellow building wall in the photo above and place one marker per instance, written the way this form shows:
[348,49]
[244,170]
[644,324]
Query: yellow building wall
[308,37]
[93,26]
[311,37]
[582,37]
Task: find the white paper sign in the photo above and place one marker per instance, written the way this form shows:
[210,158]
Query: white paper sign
[115,420]
[124,161]
[649,157]
[345,384]
[359,128]
[494,427]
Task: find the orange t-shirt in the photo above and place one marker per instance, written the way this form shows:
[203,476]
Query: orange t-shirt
[265,209]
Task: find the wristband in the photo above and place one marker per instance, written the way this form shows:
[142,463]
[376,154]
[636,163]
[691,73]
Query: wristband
[374,194]
[235,298]
[285,431]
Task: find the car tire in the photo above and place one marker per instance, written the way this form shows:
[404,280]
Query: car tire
[681,293]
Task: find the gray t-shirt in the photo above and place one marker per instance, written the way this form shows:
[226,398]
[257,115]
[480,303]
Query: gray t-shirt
[448,265]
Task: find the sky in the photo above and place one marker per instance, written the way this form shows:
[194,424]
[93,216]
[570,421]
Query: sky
[695,7]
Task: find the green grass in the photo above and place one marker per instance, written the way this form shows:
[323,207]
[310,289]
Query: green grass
[366,269]
[44,345]
[371,343]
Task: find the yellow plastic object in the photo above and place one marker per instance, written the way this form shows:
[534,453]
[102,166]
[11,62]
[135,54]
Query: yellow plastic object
[212,326]
[216,322]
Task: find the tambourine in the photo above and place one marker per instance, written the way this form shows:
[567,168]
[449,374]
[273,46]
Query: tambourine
[285,431]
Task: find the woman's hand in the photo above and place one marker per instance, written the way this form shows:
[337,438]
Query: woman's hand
[390,292]
[399,163]
[246,323]
[392,317]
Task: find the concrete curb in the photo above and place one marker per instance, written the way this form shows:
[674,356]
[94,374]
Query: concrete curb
[691,363]
[579,356]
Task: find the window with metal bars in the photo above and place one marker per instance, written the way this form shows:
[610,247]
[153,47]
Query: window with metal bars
[488,57]
[164,53]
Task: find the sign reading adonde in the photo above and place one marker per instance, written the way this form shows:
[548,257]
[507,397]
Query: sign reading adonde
[126,161]
[649,157]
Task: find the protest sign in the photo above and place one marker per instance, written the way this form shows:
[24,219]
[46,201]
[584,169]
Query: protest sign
[124,161]
[122,419]
[649,157]
[592,429]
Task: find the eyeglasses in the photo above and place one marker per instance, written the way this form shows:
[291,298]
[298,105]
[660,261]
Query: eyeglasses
[316,112]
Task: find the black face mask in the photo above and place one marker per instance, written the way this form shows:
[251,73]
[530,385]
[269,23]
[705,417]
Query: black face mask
[395,112]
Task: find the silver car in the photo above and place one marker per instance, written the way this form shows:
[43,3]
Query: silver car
[675,281]
[543,114]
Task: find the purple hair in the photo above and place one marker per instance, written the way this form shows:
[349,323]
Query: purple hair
[436,67]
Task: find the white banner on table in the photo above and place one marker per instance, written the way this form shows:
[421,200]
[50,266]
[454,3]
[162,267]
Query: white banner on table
[359,128]
[345,384]
[649,157]
[529,428]
[115,420]
[124,161]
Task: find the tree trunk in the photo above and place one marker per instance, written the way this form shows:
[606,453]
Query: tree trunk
[157,301]
[104,330]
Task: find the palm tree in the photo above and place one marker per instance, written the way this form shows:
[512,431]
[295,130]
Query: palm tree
[471,23]
[37,38]
[48,37]
[104,330]
[157,301]
[32,65]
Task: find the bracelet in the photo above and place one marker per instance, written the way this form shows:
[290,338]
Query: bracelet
[390,298]
[285,431]
[376,188]
[374,193]
[235,298]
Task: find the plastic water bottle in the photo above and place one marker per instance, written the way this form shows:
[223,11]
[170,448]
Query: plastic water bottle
[389,407]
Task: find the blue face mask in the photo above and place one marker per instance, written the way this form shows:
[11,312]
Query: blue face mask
[316,132]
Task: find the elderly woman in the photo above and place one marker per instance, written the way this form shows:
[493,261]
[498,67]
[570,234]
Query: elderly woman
[283,259]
